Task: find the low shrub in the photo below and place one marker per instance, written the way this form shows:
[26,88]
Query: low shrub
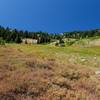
[39,64]
[71,76]
[56,44]
[69,43]
[2,42]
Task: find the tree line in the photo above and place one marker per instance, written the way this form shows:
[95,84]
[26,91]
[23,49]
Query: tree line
[82,34]
[16,36]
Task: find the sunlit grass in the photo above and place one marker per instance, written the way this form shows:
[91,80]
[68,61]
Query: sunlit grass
[63,54]
[51,49]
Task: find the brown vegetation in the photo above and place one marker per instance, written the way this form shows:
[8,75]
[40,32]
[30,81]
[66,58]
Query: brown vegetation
[26,77]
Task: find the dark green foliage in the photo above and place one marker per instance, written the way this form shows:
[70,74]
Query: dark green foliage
[82,34]
[61,41]
[43,37]
[56,44]
[2,42]
[25,41]
[18,39]
[15,35]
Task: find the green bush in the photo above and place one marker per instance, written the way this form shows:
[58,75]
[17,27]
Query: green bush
[56,44]
[26,42]
[18,39]
[61,41]
[2,42]
[69,43]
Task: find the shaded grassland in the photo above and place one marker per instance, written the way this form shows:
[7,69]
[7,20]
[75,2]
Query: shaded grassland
[44,72]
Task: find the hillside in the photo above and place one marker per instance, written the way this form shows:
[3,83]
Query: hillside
[89,42]
[43,66]
[45,72]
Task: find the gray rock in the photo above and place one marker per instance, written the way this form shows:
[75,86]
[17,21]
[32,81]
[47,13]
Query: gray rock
[97,72]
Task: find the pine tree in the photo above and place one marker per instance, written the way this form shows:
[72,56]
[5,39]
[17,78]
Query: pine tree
[18,39]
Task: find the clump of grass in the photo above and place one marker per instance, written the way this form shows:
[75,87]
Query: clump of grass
[7,96]
[63,84]
[39,64]
[71,76]
[21,89]
[75,75]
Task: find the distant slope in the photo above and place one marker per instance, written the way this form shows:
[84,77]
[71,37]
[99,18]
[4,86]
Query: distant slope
[88,42]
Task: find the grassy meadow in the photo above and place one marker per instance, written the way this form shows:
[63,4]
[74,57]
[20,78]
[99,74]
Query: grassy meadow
[46,72]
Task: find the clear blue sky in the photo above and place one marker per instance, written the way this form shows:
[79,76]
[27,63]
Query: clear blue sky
[50,15]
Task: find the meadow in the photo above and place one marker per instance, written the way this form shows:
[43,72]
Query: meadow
[46,72]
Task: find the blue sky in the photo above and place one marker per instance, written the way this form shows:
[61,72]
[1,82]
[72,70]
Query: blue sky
[50,15]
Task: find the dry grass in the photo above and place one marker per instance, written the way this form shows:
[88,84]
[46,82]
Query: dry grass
[26,76]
